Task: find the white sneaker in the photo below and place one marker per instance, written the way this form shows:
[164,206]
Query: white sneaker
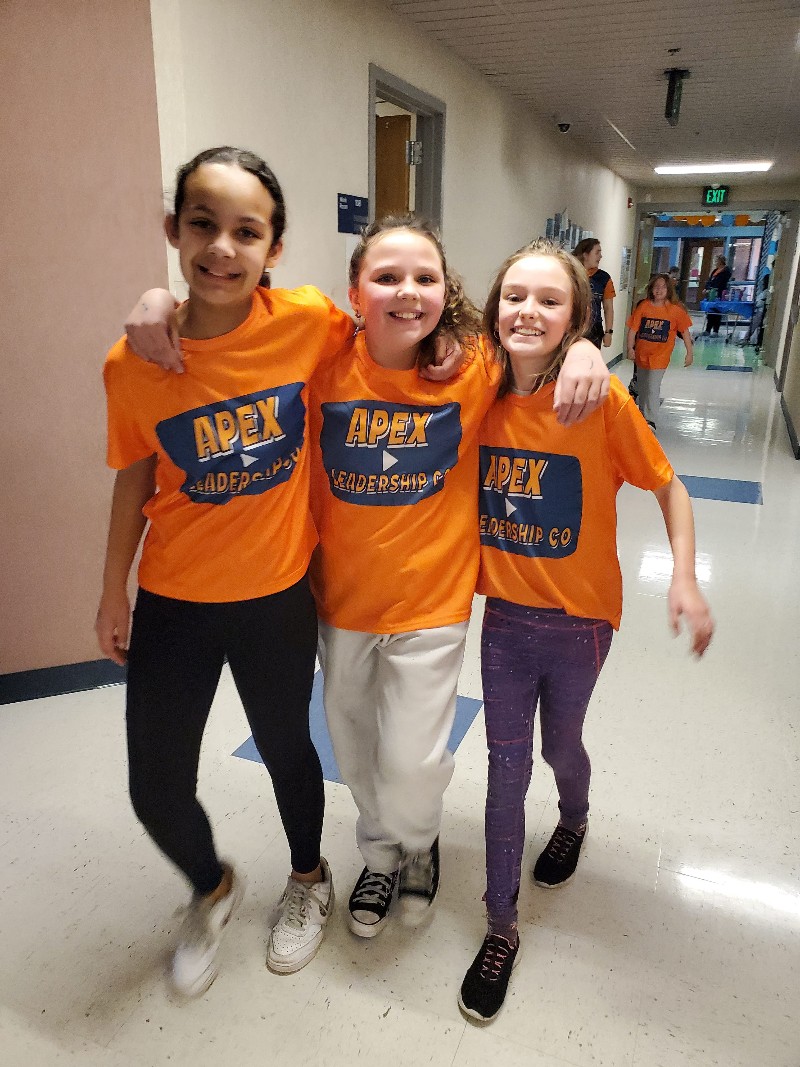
[194,964]
[298,933]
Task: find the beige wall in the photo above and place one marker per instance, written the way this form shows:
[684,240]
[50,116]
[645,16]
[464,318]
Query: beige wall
[791,388]
[84,182]
[296,91]
[81,218]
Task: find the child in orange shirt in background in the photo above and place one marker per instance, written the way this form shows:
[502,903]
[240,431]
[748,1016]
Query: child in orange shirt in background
[550,571]
[653,327]
[217,460]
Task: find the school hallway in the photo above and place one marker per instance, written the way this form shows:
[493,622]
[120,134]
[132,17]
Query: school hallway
[677,943]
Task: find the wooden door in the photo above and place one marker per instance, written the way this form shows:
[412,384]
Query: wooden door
[391,168]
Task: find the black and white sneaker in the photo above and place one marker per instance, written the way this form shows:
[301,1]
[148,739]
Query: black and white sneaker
[419,875]
[485,984]
[557,863]
[370,902]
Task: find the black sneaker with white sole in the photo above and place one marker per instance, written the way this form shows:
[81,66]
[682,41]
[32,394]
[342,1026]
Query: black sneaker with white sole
[485,984]
[370,902]
[419,875]
[557,863]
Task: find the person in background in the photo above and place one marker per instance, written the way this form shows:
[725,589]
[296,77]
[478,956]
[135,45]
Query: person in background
[716,285]
[755,335]
[601,328]
[654,326]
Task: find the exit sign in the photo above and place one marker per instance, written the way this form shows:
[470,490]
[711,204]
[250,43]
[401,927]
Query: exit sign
[716,195]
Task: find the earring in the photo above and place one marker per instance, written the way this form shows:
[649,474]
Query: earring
[359,321]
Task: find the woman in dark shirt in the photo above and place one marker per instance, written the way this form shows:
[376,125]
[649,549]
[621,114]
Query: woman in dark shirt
[718,280]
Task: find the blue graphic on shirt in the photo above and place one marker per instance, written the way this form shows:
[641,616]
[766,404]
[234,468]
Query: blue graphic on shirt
[388,455]
[238,447]
[531,503]
[653,329]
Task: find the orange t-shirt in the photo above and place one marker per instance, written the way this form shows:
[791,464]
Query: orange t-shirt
[393,492]
[230,519]
[657,328]
[548,514]
[609,292]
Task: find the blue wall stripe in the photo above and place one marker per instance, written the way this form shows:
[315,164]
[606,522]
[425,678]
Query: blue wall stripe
[56,681]
[730,489]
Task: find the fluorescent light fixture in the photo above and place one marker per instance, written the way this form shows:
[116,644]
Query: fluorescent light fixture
[715,168]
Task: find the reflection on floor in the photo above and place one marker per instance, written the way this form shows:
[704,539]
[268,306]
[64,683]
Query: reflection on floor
[677,944]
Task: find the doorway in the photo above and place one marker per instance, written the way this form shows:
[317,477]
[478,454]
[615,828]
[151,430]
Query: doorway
[395,132]
[699,255]
[406,148]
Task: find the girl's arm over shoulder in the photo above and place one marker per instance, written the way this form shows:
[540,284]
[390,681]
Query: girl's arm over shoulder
[582,384]
[133,487]
[152,329]
[685,598]
[447,361]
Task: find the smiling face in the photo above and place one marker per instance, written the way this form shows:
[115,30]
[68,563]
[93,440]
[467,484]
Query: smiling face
[224,235]
[400,295]
[534,313]
[659,290]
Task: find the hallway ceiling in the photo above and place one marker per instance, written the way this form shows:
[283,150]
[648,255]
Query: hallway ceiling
[596,62]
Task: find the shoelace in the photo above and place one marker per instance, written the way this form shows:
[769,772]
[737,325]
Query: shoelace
[418,873]
[495,955]
[295,908]
[374,888]
[562,842]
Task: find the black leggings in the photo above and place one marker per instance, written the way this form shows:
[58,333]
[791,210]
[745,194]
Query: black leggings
[176,655]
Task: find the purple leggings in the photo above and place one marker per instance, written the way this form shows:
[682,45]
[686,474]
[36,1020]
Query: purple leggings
[533,656]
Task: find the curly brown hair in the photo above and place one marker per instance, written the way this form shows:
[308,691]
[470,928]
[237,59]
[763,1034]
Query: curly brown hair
[581,307]
[460,318]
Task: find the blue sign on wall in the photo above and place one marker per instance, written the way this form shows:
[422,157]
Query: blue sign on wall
[353,212]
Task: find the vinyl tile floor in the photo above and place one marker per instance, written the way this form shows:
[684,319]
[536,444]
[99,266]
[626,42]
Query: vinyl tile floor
[676,945]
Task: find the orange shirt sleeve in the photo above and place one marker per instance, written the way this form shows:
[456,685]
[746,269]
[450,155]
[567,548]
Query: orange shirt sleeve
[637,456]
[609,292]
[635,318]
[127,441]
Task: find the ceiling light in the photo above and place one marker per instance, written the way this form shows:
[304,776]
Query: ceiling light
[714,168]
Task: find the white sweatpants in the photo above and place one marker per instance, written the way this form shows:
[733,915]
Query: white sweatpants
[649,389]
[390,701]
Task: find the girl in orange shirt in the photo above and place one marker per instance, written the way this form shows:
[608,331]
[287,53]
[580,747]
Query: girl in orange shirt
[550,572]
[217,460]
[655,324]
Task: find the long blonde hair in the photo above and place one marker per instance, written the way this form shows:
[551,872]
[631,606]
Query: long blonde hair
[460,318]
[579,319]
